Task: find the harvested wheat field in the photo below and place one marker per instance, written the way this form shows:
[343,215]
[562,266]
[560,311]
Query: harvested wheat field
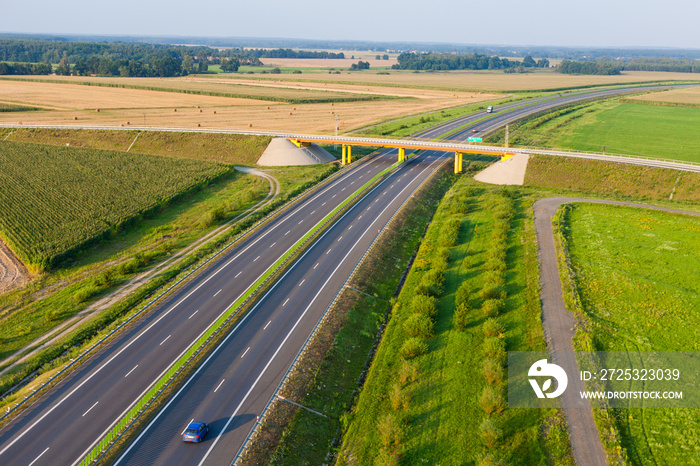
[125,106]
[690,95]
[61,96]
[491,81]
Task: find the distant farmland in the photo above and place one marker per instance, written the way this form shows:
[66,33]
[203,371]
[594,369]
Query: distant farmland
[56,200]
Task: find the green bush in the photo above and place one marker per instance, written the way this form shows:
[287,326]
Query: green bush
[491,400]
[441,259]
[493,328]
[495,277]
[128,267]
[398,397]
[493,307]
[493,458]
[85,293]
[449,233]
[495,348]
[461,317]
[433,282]
[492,292]
[413,347]
[490,432]
[493,372]
[419,325]
[463,294]
[425,305]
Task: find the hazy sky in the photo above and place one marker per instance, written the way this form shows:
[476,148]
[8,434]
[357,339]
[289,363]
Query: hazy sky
[658,23]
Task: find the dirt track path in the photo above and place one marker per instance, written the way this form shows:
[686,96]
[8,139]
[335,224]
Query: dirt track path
[559,328]
[13,273]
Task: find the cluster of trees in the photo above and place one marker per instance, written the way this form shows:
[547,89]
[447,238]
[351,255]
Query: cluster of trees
[24,68]
[587,67]
[382,57]
[447,61]
[360,65]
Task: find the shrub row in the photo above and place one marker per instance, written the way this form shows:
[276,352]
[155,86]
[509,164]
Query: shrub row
[494,294]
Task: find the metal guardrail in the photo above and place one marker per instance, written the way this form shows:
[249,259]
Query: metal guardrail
[285,379]
[118,430]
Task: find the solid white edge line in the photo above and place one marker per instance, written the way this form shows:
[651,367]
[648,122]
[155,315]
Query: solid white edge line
[245,397]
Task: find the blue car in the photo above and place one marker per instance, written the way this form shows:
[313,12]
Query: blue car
[195,432]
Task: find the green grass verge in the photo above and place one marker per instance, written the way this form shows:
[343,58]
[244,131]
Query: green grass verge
[441,407]
[612,179]
[633,272]
[15,108]
[226,148]
[613,127]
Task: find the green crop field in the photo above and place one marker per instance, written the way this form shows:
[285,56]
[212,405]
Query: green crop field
[618,128]
[636,272]
[56,199]
[435,392]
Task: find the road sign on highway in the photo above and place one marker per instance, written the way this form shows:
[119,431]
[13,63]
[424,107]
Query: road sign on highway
[473,139]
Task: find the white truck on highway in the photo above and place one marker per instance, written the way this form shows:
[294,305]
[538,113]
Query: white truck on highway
[489,109]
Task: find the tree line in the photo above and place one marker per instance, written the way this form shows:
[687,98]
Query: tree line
[608,66]
[27,56]
[475,61]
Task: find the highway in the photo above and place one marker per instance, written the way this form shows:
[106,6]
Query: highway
[231,388]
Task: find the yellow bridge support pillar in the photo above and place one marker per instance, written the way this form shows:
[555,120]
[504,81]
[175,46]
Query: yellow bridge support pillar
[458,162]
[349,154]
[402,154]
[345,151]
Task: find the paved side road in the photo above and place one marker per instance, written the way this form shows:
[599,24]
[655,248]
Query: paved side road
[559,326]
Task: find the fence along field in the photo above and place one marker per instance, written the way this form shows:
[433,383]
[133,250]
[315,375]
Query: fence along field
[56,200]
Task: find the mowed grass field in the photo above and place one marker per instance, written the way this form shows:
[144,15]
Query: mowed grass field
[636,272]
[435,391]
[612,179]
[227,148]
[54,200]
[616,128]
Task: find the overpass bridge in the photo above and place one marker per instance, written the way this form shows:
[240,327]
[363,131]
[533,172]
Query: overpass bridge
[348,142]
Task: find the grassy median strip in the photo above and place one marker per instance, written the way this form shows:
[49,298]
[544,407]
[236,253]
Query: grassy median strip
[435,393]
[182,362]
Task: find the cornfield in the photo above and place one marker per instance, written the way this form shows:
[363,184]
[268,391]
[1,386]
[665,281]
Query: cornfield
[56,200]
